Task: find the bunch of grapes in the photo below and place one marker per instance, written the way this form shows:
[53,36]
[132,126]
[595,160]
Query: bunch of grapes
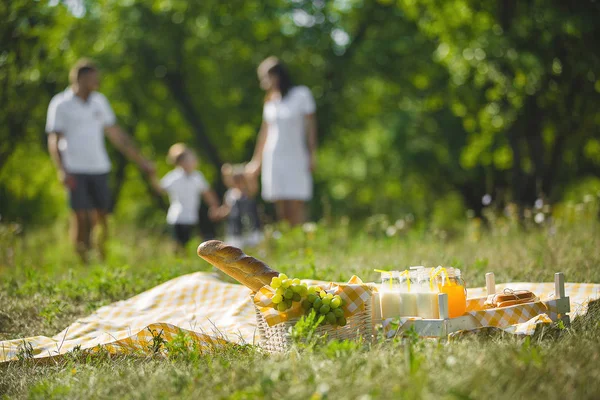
[325,304]
[287,291]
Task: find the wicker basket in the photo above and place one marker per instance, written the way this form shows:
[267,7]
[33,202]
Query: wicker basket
[276,338]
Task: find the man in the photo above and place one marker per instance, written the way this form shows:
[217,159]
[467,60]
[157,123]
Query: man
[77,120]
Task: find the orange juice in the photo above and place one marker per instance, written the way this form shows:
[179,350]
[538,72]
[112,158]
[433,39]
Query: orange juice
[457,300]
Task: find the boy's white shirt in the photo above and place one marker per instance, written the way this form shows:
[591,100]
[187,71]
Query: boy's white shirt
[185,191]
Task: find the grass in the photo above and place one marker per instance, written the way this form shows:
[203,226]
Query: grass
[43,289]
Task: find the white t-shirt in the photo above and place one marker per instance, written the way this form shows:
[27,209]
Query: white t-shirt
[82,125]
[286,162]
[184,195]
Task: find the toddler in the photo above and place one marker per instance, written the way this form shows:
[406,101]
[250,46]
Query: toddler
[185,186]
[243,227]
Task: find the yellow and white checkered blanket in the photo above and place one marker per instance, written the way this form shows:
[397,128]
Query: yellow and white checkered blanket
[210,310]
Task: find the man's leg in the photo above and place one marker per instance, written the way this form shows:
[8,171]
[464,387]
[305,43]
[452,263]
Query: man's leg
[100,225]
[79,198]
[100,195]
[80,230]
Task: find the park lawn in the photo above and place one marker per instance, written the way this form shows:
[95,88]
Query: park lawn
[43,290]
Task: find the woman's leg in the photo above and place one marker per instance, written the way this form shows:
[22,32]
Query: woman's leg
[296,212]
[280,210]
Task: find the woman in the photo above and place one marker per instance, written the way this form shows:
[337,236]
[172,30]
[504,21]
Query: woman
[286,145]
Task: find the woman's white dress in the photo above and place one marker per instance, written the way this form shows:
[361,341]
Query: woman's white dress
[285,161]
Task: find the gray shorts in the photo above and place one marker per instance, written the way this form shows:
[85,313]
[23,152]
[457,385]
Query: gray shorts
[91,192]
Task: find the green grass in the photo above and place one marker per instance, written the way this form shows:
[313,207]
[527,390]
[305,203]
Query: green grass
[43,290]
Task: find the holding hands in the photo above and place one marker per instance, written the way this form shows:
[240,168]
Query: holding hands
[253,168]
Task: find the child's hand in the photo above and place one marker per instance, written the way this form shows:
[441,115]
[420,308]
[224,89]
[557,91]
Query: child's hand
[253,168]
[226,169]
[214,214]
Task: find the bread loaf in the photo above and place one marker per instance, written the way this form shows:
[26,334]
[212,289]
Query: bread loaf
[245,269]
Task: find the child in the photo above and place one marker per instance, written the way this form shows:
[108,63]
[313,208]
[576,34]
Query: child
[185,187]
[239,207]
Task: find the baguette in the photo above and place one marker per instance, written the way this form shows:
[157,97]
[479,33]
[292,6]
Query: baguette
[245,269]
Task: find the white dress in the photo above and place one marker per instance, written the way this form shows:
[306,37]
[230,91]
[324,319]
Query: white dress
[285,161]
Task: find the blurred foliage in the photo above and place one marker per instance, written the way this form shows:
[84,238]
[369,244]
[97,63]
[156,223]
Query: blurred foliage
[424,106]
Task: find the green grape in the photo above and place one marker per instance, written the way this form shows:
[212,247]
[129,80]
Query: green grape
[306,305]
[275,282]
[296,288]
[322,293]
[324,309]
[288,303]
[317,303]
[341,321]
[312,297]
[286,284]
[277,299]
[288,294]
[326,301]
[283,277]
[303,290]
[280,291]
[336,302]
[296,297]
[296,281]
[282,306]
[312,290]
[329,296]
[331,318]
[338,312]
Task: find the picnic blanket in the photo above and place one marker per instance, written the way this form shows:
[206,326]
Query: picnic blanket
[209,310]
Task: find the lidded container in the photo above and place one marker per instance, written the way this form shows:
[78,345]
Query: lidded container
[389,294]
[449,281]
[426,294]
[408,300]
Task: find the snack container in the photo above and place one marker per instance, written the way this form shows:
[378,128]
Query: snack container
[277,338]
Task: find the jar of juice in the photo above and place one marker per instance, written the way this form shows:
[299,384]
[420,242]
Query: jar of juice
[389,294]
[408,300]
[426,295]
[449,281]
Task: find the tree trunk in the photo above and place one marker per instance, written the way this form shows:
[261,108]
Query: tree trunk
[119,179]
[516,171]
[175,83]
[535,144]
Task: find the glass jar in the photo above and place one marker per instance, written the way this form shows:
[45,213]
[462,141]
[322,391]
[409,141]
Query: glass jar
[408,303]
[389,294]
[426,295]
[450,281]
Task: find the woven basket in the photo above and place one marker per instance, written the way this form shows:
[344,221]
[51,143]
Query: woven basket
[276,338]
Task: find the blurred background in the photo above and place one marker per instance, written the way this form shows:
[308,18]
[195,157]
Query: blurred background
[433,109]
